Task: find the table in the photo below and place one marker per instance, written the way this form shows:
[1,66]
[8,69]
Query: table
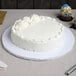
[21,67]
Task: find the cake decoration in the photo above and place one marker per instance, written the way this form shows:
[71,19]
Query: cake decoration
[66,10]
[75,20]
[66,13]
[74,23]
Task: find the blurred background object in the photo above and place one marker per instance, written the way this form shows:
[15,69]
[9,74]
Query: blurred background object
[2,16]
[35,4]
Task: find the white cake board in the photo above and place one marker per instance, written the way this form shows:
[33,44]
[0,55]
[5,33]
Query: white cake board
[53,54]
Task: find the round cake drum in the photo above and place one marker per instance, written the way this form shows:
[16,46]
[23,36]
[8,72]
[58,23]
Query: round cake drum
[68,41]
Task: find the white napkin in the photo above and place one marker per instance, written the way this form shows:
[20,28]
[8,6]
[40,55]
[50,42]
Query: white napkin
[3,65]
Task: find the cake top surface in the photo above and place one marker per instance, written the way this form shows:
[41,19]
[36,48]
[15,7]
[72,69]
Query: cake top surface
[38,28]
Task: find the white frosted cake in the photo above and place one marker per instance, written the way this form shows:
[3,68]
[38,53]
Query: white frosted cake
[37,33]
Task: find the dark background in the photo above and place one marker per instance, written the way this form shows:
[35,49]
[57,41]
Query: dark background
[35,4]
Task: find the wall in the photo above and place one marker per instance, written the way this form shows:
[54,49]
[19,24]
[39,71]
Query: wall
[38,4]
